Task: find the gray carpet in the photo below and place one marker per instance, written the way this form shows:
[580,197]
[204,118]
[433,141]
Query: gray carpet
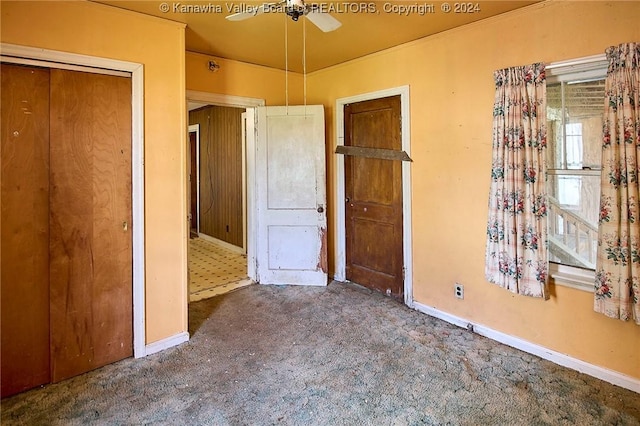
[340,355]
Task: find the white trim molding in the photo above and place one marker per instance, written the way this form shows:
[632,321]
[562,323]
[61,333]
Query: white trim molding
[64,60]
[340,244]
[575,70]
[573,277]
[195,128]
[224,100]
[167,343]
[220,243]
[578,65]
[601,373]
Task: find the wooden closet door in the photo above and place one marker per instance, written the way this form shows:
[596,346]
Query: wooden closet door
[90,241]
[24,228]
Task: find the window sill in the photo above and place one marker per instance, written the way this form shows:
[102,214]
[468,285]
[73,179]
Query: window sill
[569,276]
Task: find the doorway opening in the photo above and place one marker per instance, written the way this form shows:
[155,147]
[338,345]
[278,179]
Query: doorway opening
[219,179]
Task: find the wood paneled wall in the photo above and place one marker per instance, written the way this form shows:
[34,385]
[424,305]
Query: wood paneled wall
[221,212]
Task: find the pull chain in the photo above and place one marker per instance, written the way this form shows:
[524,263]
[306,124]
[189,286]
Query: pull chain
[304,63]
[286,64]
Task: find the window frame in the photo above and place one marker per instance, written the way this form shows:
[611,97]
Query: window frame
[572,137]
[586,69]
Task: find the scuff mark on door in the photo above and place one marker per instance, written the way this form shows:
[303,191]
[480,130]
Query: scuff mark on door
[322,260]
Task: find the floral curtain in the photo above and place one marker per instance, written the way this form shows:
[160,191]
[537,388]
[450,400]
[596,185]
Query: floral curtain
[516,256]
[617,287]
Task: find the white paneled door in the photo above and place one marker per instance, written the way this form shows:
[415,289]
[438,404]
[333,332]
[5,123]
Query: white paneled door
[290,195]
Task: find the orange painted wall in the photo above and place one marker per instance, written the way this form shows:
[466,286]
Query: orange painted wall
[242,79]
[97,30]
[451,96]
[450,76]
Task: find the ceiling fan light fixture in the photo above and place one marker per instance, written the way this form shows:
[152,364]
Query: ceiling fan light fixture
[294,9]
[294,13]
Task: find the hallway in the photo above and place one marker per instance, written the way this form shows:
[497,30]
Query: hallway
[214,269]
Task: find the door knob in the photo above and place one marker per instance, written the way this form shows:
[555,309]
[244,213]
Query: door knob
[320,209]
[346,200]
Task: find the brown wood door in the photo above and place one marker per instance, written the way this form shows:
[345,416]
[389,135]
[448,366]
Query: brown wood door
[193,180]
[373,188]
[24,228]
[90,218]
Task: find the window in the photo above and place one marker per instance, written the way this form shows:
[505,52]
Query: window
[568,191]
[575,107]
[573,143]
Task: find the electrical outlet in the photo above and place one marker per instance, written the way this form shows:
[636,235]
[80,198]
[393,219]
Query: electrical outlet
[458,291]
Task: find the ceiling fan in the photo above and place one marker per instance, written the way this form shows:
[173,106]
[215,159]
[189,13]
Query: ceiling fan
[295,9]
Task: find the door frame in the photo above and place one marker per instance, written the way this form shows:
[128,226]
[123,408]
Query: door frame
[340,242]
[195,128]
[249,146]
[24,55]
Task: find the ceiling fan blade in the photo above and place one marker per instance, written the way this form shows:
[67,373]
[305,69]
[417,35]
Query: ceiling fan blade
[324,21]
[249,13]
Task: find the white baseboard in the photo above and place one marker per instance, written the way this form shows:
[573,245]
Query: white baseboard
[601,373]
[221,243]
[167,343]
